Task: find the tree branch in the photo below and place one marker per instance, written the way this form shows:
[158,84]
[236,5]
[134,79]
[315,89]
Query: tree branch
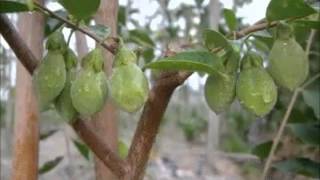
[17,44]
[260,25]
[149,123]
[111,48]
[118,166]
[27,58]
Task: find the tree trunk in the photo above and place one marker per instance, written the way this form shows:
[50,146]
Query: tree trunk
[214,119]
[25,155]
[81,44]
[104,122]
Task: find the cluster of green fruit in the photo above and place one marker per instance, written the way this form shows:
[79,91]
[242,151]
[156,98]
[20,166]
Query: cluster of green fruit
[256,87]
[84,91]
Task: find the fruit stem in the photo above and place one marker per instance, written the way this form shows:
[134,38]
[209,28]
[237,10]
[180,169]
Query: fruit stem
[69,37]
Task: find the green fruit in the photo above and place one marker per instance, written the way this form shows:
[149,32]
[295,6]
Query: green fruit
[256,90]
[89,92]
[231,62]
[288,63]
[124,56]
[251,59]
[70,59]
[220,91]
[93,60]
[63,102]
[49,79]
[129,87]
[56,42]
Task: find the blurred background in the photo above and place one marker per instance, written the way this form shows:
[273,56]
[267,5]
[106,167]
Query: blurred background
[193,143]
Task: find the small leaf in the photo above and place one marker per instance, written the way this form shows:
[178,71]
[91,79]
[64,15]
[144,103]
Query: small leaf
[262,150]
[301,166]
[122,16]
[148,55]
[122,149]
[230,18]
[13,7]
[311,98]
[49,165]
[81,9]
[53,24]
[308,24]
[100,30]
[284,9]
[267,40]
[45,135]
[214,40]
[200,61]
[259,45]
[140,37]
[307,132]
[83,149]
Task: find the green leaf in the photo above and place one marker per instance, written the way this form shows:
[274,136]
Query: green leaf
[301,166]
[49,165]
[83,149]
[262,150]
[122,16]
[311,98]
[284,9]
[200,61]
[140,37]
[100,30]
[53,24]
[148,55]
[230,18]
[13,7]
[213,40]
[45,135]
[81,9]
[267,40]
[308,24]
[307,132]
[122,149]
[259,45]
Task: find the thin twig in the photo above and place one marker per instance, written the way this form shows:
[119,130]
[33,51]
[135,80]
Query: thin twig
[74,26]
[310,40]
[279,134]
[69,37]
[315,77]
[283,124]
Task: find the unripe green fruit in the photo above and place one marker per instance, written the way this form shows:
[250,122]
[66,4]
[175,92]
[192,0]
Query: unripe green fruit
[288,63]
[256,90]
[89,92]
[129,87]
[56,42]
[93,60]
[63,102]
[49,79]
[220,91]
[124,56]
[70,59]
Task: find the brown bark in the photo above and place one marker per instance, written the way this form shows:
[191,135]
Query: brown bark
[101,149]
[26,132]
[150,121]
[105,121]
